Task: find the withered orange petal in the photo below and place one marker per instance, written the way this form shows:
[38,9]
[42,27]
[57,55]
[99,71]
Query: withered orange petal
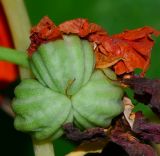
[43,32]
[143,46]
[120,67]
[137,33]
[136,46]
[125,51]
[80,27]
[77,26]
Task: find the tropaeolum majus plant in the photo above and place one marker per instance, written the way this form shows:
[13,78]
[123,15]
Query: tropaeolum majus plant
[78,71]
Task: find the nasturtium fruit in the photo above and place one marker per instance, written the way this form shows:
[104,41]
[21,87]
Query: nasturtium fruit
[66,88]
[97,102]
[64,65]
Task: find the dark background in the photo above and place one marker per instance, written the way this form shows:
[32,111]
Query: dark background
[115,16]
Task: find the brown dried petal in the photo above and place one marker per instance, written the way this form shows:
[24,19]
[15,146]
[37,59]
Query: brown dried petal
[146,130]
[134,148]
[128,111]
[147,91]
[75,134]
[129,143]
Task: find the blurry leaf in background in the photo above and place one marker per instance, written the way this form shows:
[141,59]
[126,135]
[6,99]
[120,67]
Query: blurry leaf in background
[115,16]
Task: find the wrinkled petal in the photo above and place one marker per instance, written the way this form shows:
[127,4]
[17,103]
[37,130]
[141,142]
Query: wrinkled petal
[43,32]
[125,51]
[146,91]
[129,143]
[80,27]
[136,34]
[134,148]
[75,134]
[146,130]
[136,46]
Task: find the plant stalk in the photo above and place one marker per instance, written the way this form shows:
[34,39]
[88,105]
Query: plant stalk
[43,148]
[14,56]
[19,24]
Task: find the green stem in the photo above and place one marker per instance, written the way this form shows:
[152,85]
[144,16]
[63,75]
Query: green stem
[17,57]
[43,148]
[18,21]
[20,27]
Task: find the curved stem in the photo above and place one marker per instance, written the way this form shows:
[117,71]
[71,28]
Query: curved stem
[17,57]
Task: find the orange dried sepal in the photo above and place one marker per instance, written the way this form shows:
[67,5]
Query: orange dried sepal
[43,32]
[124,52]
[81,27]
[136,46]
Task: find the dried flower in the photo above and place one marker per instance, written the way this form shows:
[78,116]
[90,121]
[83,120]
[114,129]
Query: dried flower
[146,91]
[125,51]
[146,130]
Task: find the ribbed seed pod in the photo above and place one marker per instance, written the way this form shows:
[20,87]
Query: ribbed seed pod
[40,110]
[67,89]
[98,102]
[64,65]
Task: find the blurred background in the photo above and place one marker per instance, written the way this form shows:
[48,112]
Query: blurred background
[113,15]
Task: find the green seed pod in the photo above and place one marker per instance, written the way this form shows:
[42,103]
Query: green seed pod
[98,102]
[64,65]
[39,110]
[67,89]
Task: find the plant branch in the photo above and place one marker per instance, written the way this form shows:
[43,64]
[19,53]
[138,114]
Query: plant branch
[14,56]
